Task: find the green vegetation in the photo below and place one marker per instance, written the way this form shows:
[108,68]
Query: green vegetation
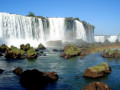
[71,50]
[110,52]
[99,68]
[87,24]
[3,47]
[25,47]
[16,50]
[31,14]
[31,51]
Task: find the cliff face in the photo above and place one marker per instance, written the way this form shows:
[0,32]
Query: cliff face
[43,29]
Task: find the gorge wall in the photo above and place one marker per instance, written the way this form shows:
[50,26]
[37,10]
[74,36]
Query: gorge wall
[18,29]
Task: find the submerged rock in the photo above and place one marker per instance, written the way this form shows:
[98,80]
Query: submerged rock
[1,70]
[97,71]
[36,79]
[18,71]
[97,86]
[1,54]
[55,50]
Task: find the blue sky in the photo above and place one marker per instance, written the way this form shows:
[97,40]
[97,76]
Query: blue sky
[103,14]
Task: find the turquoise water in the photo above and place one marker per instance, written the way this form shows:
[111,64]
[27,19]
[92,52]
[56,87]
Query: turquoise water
[70,71]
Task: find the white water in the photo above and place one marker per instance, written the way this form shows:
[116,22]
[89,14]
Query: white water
[103,38]
[80,31]
[18,29]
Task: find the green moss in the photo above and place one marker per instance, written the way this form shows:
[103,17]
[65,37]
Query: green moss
[71,50]
[110,52]
[3,47]
[98,68]
[25,47]
[104,51]
[16,50]
[31,51]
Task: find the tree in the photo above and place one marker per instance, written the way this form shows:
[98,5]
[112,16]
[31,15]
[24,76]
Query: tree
[31,14]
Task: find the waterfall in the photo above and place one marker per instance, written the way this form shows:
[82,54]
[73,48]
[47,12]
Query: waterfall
[18,29]
[80,31]
[105,37]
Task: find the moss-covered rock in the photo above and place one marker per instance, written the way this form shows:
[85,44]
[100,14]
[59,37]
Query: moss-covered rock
[97,71]
[70,51]
[3,47]
[14,53]
[18,71]
[25,47]
[41,47]
[31,53]
[111,53]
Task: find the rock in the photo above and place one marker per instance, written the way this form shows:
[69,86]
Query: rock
[1,71]
[18,71]
[97,86]
[70,51]
[1,54]
[84,52]
[55,50]
[36,49]
[97,71]
[25,47]
[41,47]
[31,53]
[3,47]
[36,79]
[61,50]
[14,53]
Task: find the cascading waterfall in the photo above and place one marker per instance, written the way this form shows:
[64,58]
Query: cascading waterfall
[105,37]
[18,29]
[80,31]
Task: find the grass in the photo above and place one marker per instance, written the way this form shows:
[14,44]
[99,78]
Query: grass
[31,51]
[98,68]
[71,50]
[16,50]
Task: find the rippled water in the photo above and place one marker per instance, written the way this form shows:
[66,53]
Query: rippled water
[70,71]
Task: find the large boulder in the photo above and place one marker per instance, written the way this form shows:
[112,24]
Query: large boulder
[97,71]
[3,47]
[97,86]
[36,79]
[31,53]
[70,51]
[18,71]
[14,53]
[25,47]
[41,47]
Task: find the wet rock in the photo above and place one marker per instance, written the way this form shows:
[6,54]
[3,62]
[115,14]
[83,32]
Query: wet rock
[41,47]
[35,78]
[70,51]
[61,50]
[14,53]
[31,53]
[97,71]
[25,47]
[1,54]
[97,86]
[3,47]
[1,71]
[55,50]
[18,71]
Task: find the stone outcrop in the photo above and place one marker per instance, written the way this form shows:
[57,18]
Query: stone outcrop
[97,86]
[97,71]
[36,79]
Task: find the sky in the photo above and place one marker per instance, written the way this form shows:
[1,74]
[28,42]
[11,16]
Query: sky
[103,14]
